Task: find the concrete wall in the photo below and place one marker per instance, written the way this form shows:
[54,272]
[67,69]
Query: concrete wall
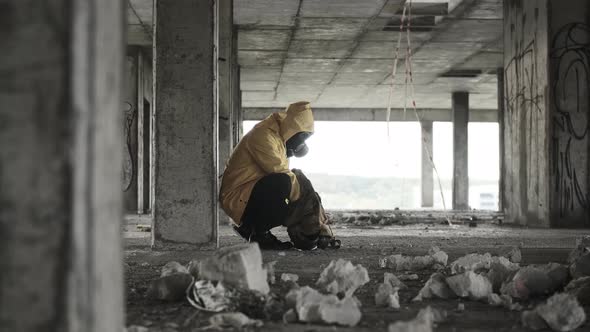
[526,115]
[569,92]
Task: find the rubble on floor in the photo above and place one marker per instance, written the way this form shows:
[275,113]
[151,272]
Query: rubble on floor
[580,288]
[237,266]
[136,328]
[172,284]
[561,312]
[471,262]
[341,276]
[501,269]
[406,277]
[387,296]
[172,268]
[235,320]
[470,284]
[514,255]
[424,321]
[395,282]
[289,277]
[209,296]
[436,258]
[535,280]
[436,286]
[270,272]
[313,307]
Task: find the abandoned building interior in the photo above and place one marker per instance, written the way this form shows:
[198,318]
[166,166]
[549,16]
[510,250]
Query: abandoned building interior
[118,118]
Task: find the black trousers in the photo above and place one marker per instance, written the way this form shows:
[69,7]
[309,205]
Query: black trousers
[268,204]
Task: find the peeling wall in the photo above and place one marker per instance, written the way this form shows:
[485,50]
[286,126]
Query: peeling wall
[569,60]
[526,139]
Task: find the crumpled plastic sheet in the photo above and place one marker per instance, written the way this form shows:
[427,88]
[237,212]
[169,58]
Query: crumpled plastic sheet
[208,296]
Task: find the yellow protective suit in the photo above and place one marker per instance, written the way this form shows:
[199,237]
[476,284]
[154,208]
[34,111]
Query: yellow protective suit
[261,152]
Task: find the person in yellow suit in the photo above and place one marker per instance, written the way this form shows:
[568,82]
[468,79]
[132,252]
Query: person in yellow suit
[258,187]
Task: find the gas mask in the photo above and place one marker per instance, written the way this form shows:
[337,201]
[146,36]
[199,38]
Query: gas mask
[296,145]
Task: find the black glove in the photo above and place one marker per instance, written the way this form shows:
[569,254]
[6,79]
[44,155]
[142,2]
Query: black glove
[302,241]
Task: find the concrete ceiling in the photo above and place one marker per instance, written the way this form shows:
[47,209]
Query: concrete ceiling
[339,53]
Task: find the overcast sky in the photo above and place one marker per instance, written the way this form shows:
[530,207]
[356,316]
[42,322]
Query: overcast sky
[363,149]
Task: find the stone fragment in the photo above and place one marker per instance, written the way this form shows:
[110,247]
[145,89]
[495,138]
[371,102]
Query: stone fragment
[170,288]
[460,307]
[238,266]
[172,268]
[435,287]
[342,277]
[387,296]
[580,288]
[399,262]
[406,277]
[501,269]
[314,307]
[193,268]
[514,255]
[582,248]
[289,277]
[422,323]
[471,262]
[136,328]
[390,278]
[562,312]
[580,267]
[236,320]
[470,284]
[290,316]
[495,300]
[531,320]
[536,280]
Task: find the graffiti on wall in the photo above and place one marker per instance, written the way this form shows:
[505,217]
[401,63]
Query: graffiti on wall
[570,55]
[129,114]
[521,86]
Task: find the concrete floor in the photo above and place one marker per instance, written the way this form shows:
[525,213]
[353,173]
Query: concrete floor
[364,246]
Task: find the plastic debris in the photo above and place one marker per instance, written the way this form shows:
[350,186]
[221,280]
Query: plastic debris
[236,320]
[239,266]
[390,278]
[387,296]
[209,296]
[270,272]
[424,321]
[562,312]
[314,307]
[580,288]
[398,262]
[471,262]
[436,286]
[172,268]
[170,288]
[289,277]
[470,284]
[536,280]
[342,277]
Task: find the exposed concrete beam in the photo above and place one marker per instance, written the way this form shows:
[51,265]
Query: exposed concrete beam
[374,114]
[137,35]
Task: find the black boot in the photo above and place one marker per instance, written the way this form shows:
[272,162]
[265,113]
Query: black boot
[267,241]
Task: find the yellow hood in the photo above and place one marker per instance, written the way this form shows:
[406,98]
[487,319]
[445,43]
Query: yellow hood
[296,118]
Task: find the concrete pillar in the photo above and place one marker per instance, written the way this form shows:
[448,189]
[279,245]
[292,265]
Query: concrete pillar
[60,166]
[427,170]
[501,190]
[460,143]
[226,59]
[235,89]
[186,179]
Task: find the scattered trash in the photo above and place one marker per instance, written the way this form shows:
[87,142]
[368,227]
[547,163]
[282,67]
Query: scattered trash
[562,312]
[289,277]
[270,272]
[536,280]
[424,321]
[580,288]
[239,266]
[209,296]
[470,284]
[172,268]
[170,288]
[390,278]
[436,286]
[342,277]
[398,262]
[314,307]
[471,262]
[406,277]
[387,296]
[236,320]
[461,307]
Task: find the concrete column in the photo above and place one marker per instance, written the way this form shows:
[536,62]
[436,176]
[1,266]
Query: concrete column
[460,148]
[427,170]
[60,166]
[501,190]
[225,81]
[186,179]
[235,79]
